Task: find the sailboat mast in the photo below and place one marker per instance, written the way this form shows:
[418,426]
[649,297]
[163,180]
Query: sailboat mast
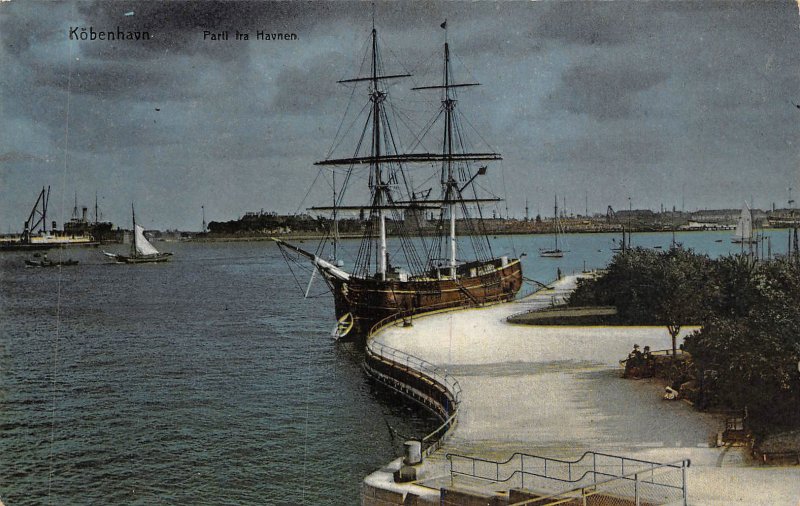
[133,243]
[450,184]
[555,220]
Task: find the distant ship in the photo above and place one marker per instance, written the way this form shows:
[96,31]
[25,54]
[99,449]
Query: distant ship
[436,275]
[36,236]
[142,251]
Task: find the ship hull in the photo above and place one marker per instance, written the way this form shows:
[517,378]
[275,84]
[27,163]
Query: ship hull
[142,259]
[374,301]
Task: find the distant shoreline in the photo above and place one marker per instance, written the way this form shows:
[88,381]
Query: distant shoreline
[318,235]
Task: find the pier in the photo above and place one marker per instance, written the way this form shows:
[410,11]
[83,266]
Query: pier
[512,396]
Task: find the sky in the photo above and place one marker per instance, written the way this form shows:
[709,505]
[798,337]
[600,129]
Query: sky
[685,104]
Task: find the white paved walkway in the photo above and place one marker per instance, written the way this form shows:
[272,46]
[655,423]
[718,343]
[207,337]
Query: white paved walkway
[557,391]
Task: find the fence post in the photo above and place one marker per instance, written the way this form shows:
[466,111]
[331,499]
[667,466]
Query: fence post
[636,488]
[522,465]
[452,477]
[683,478]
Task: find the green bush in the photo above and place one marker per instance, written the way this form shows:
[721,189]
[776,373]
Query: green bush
[747,350]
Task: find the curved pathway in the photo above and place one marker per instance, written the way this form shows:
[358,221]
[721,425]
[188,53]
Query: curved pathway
[557,392]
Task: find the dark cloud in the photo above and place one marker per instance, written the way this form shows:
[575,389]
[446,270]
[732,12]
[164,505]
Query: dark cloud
[591,23]
[605,92]
[177,27]
[311,87]
[631,94]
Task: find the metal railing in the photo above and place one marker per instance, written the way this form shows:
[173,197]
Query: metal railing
[611,473]
[415,366]
[662,484]
[409,363]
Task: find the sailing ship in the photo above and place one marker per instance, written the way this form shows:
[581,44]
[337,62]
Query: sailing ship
[744,228]
[436,276]
[141,249]
[556,252]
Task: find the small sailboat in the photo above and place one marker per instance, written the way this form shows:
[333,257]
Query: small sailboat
[141,249]
[43,261]
[555,252]
[744,228]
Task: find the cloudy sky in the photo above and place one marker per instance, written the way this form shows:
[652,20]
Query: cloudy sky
[663,102]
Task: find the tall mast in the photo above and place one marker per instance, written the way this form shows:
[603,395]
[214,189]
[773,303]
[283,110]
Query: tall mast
[335,220]
[96,212]
[555,219]
[379,187]
[133,243]
[377,98]
[450,183]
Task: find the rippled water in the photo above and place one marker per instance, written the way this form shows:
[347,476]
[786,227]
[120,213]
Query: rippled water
[204,380]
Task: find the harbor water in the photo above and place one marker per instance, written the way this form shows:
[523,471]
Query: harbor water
[208,379]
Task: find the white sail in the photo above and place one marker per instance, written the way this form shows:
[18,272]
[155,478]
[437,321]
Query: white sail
[143,246]
[744,228]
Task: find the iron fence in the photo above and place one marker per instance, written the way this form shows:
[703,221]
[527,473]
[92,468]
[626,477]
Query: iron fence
[607,479]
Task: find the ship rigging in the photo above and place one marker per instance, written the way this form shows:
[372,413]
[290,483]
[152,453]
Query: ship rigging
[436,274]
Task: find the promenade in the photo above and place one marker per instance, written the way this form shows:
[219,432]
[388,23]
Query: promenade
[557,392]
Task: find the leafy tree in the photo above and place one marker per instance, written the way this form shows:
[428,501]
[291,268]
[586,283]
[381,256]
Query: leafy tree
[747,351]
[649,287]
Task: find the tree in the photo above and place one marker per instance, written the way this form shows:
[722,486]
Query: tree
[680,280]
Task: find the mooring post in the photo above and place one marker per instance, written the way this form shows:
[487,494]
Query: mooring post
[683,478]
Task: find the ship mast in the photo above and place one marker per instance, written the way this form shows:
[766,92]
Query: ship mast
[451,160]
[133,243]
[377,97]
[451,187]
[555,219]
[379,183]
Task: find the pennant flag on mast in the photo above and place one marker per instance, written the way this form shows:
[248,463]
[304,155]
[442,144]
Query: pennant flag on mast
[444,25]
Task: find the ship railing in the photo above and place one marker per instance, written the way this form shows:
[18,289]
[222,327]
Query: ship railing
[594,474]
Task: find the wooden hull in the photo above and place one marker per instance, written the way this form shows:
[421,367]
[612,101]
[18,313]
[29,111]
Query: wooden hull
[149,259]
[48,263]
[371,301]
